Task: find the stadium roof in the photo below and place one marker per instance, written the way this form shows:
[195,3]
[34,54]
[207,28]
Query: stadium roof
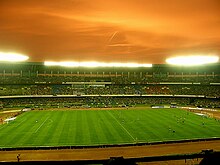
[142,31]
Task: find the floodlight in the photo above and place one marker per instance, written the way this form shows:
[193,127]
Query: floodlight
[68,64]
[192,60]
[94,64]
[50,63]
[12,57]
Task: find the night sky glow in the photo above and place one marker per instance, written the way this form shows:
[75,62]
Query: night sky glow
[135,31]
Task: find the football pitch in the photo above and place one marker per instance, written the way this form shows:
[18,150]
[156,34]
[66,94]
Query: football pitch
[103,127]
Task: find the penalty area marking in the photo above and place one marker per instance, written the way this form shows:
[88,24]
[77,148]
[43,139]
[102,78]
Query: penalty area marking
[122,127]
[41,125]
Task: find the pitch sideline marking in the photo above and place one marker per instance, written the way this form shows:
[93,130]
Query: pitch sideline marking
[41,125]
[122,126]
[3,126]
[22,122]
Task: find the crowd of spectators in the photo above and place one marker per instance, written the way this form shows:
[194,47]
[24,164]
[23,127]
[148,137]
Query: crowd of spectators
[106,102]
[113,89]
[209,103]
[115,79]
[107,87]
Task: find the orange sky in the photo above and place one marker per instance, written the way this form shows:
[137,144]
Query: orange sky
[145,31]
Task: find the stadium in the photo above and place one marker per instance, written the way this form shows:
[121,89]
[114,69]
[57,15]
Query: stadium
[119,82]
[46,108]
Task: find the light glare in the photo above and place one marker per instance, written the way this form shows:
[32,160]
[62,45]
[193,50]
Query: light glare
[12,57]
[192,60]
[94,64]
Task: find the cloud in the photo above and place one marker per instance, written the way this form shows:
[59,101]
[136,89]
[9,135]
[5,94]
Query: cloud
[134,30]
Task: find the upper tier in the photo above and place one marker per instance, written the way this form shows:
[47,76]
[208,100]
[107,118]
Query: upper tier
[37,73]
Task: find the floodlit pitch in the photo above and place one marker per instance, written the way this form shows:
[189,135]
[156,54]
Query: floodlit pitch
[97,127]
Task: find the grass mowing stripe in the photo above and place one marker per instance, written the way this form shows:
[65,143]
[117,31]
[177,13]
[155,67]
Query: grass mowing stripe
[195,126]
[79,128]
[120,134]
[73,129]
[21,122]
[92,126]
[54,139]
[86,131]
[34,137]
[99,129]
[150,120]
[68,128]
[158,122]
[2,126]
[178,129]
[41,125]
[48,130]
[107,129]
[204,130]
[45,130]
[121,126]
[52,127]
[62,128]
[20,133]
[116,131]
[84,127]
[138,128]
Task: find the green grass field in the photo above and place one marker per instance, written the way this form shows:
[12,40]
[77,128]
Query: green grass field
[96,127]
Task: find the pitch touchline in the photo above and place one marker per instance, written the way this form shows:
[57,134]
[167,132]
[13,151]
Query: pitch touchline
[122,127]
[41,124]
